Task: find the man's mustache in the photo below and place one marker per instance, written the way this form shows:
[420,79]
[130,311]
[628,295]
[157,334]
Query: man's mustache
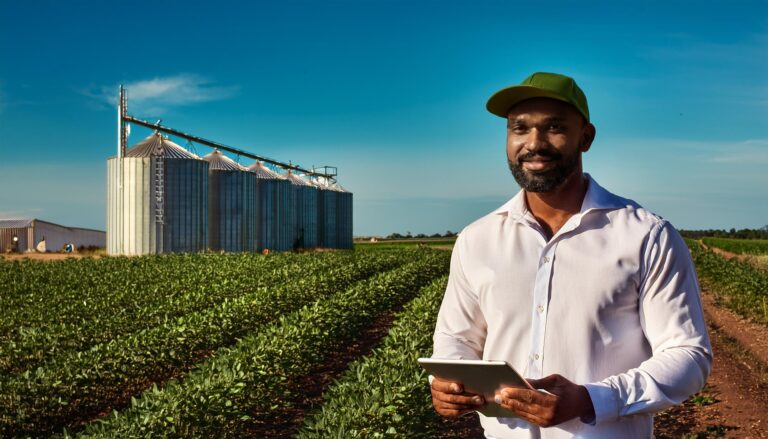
[544,153]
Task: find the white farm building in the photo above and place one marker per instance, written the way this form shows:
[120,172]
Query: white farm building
[25,235]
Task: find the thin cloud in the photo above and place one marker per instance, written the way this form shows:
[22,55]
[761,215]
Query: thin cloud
[158,94]
[21,214]
[753,151]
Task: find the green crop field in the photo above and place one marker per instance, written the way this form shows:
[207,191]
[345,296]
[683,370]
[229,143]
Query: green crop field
[736,283]
[440,243]
[740,246]
[222,345]
[187,345]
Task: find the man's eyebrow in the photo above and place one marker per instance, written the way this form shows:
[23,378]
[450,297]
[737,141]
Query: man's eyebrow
[559,119]
[522,120]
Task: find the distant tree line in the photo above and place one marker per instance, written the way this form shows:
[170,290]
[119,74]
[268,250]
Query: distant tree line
[761,233]
[408,235]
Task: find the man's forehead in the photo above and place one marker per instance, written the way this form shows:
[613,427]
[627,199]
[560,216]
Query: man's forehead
[541,108]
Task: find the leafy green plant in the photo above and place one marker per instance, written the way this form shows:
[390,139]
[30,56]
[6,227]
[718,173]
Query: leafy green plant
[736,284]
[386,394]
[222,395]
[740,246]
[77,385]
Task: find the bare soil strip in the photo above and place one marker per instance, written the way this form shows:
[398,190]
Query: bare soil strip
[308,391]
[751,335]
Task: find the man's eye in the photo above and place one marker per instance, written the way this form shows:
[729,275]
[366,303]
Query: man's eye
[556,128]
[518,129]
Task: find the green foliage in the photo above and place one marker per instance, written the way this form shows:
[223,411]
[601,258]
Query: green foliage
[70,306]
[701,400]
[223,396]
[386,394]
[390,245]
[736,284]
[77,385]
[740,246]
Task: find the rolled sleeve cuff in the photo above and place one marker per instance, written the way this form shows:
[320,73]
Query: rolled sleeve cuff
[604,401]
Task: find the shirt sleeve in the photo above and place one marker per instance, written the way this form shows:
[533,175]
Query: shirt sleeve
[461,328]
[672,319]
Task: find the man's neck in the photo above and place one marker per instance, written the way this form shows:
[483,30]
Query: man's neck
[553,209]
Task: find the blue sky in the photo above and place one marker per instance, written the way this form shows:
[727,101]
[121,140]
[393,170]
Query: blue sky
[392,93]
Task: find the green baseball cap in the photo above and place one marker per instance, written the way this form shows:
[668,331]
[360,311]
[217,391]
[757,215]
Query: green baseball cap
[539,85]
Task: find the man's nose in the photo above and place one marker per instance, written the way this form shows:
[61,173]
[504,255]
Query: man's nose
[536,140]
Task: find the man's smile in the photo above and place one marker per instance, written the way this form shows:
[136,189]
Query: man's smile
[538,163]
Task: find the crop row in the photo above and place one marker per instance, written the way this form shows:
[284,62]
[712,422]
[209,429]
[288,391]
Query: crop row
[735,283]
[740,246]
[31,346]
[76,386]
[386,394]
[223,396]
[75,291]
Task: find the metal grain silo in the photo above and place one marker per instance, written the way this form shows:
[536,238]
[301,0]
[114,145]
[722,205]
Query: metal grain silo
[232,205]
[274,230]
[343,217]
[304,201]
[326,218]
[157,199]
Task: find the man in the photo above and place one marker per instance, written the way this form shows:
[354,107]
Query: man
[590,296]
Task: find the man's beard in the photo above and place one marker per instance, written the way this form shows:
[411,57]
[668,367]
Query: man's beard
[547,180]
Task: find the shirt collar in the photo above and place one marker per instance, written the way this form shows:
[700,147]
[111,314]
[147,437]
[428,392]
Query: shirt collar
[596,197]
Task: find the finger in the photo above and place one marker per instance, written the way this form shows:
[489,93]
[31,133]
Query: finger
[451,413]
[547,382]
[529,396]
[522,407]
[447,386]
[533,419]
[465,399]
[451,406]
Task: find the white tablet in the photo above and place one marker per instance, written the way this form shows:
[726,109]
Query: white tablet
[478,376]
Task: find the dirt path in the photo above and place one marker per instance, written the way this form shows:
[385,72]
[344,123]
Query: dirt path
[734,402]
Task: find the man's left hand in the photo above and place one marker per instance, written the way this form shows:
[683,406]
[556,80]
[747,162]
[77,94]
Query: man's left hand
[567,401]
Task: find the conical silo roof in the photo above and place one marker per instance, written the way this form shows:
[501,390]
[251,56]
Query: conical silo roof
[263,172]
[156,145]
[295,179]
[219,162]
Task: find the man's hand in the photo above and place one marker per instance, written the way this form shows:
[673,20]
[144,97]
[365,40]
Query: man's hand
[450,400]
[567,401]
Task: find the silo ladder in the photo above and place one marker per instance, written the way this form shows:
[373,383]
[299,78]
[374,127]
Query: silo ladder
[159,189]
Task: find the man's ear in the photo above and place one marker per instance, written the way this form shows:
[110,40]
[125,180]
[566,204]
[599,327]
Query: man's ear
[587,137]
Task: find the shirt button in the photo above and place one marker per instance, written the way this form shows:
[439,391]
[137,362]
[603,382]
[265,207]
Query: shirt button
[540,308]
[535,356]
[546,260]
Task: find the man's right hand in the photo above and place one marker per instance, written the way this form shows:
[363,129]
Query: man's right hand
[450,399]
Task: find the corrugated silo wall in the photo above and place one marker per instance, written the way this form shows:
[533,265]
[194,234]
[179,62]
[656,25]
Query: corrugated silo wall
[232,211]
[309,217]
[344,220]
[130,207]
[274,227]
[328,225]
[266,214]
[186,205]
[285,226]
[297,210]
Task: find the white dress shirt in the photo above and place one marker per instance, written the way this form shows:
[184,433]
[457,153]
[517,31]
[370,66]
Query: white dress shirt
[611,302]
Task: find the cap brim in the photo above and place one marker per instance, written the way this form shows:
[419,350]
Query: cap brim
[501,101]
